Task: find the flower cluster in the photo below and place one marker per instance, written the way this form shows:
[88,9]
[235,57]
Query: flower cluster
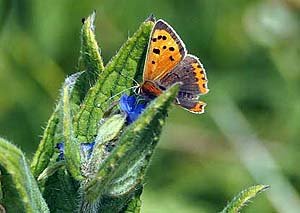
[87,149]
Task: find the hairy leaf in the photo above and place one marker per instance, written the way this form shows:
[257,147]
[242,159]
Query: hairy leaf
[53,132]
[243,198]
[46,146]
[72,149]
[134,206]
[19,180]
[90,59]
[61,192]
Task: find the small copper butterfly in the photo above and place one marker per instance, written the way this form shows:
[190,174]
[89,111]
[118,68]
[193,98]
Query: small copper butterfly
[167,62]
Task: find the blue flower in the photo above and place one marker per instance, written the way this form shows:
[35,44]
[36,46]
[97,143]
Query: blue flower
[61,148]
[86,149]
[129,105]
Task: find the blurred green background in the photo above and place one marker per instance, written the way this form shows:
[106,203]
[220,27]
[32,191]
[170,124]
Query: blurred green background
[250,131]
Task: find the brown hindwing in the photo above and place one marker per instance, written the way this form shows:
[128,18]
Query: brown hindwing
[191,74]
[192,106]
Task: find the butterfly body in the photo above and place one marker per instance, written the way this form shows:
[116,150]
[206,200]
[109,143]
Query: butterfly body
[167,63]
[150,89]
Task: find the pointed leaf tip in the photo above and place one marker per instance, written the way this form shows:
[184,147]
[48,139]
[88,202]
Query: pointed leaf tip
[91,20]
[90,51]
[239,201]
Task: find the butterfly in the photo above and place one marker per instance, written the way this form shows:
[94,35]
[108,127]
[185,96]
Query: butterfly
[167,63]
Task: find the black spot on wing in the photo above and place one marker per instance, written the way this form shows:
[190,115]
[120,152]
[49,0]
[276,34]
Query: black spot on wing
[156,51]
[184,72]
[161,25]
[171,48]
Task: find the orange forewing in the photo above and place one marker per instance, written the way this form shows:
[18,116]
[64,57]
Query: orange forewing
[165,51]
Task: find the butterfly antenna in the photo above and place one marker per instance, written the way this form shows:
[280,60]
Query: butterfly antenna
[133,87]
[137,83]
[117,94]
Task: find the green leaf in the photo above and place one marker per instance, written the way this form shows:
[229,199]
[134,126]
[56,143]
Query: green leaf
[71,147]
[134,206]
[9,191]
[127,187]
[108,132]
[61,192]
[90,51]
[117,76]
[29,197]
[53,132]
[243,198]
[50,170]
[1,193]
[128,180]
[135,142]
[46,146]
[90,59]
[109,204]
